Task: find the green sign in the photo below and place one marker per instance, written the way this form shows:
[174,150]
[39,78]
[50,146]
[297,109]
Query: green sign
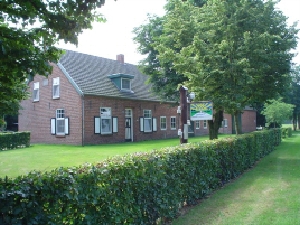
[201,110]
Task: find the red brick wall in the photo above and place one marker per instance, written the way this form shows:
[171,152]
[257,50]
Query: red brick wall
[118,106]
[35,116]
[248,121]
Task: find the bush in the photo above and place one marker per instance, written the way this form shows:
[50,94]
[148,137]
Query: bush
[141,188]
[286,132]
[11,140]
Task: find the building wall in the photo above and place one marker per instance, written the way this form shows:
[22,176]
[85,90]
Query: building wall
[118,106]
[35,116]
[228,129]
[248,121]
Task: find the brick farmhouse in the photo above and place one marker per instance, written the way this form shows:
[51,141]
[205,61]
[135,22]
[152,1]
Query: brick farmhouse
[93,100]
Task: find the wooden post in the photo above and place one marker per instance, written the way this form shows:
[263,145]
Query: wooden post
[183,114]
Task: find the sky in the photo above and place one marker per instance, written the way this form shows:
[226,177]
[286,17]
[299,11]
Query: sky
[115,35]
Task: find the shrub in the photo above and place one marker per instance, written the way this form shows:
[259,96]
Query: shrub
[11,140]
[141,188]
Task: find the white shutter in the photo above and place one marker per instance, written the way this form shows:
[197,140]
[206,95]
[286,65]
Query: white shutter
[154,124]
[52,126]
[66,125]
[115,125]
[141,124]
[97,125]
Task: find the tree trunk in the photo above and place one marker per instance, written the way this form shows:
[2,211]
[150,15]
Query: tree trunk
[237,123]
[214,125]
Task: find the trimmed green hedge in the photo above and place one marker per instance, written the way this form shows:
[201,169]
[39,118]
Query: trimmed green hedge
[142,188]
[11,140]
[286,132]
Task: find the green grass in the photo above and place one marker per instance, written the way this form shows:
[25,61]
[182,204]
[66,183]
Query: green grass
[42,157]
[287,125]
[266,194]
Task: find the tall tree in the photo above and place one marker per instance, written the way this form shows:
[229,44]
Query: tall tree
[293,94]
[233,52]
[164,78]
[29,31]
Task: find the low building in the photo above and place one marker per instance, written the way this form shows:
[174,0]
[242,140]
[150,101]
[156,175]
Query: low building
[93,100]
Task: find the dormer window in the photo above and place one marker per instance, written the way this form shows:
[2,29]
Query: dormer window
[122,81]
[126,86]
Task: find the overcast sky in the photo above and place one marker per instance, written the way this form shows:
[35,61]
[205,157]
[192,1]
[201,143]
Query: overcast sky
[115,36]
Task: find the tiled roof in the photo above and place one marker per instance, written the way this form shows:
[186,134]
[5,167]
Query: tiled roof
[90,74]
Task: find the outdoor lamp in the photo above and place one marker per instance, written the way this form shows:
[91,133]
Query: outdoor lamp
[192,96]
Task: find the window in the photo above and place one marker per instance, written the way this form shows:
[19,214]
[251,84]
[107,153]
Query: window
[56,88]
[147,121]
[205,124]
[45,82]
[163,122]
[106,120]
[173,122]
[197,124]
[36,91]
[60,121]
[125,84]
[60,124]
[225,123]
[106,123]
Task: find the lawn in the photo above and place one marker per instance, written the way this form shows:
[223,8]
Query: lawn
[266,194]
[43,157]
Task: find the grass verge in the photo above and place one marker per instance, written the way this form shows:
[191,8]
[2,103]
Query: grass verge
[266,194]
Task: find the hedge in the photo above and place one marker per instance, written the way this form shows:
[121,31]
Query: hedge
[11,140]
[286,132]
[141,188]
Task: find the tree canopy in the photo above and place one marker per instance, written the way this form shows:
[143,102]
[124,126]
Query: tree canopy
[29,31]
[277,111]
[233,52]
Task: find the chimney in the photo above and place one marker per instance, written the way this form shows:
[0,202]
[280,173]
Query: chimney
[120,58]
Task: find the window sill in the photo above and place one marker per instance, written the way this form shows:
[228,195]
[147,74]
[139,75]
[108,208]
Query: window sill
[56,98]
[60,135]
[35,101]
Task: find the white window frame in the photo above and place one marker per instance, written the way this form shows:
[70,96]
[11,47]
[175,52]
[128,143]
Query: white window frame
[106,119]
[56,88]
[60,121]
[163,123]
[204,124]
[59,117]
[147,115]
[197,124]
[125,88]
[36,92]
[173,123]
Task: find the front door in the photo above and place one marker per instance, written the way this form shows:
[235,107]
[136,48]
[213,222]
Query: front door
[128,125]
